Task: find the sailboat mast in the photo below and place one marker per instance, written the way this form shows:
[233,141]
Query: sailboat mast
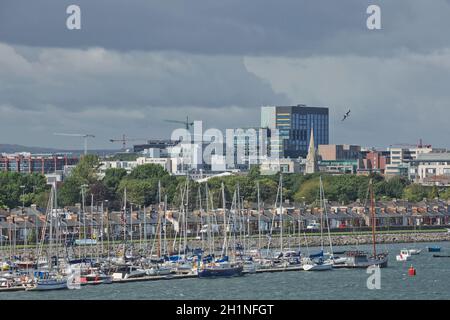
[281,212]
[92,223]
[208,220]
[225,244]
[165,224]
[186,213]
[159,219]
[124,221]
[102,228]
[259,217]
[83,194]
[326,216]
[372,209]
[201,217]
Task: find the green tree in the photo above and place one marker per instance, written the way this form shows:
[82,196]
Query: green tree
[70,192]
[140,192]
[254,172]
[84,173]
[394,187]
[41,199]
[415,192]
[86,169]
[445,194]
[267,190]
[112,178]
[11,191]
[433,193]
[148,171]
[308,191]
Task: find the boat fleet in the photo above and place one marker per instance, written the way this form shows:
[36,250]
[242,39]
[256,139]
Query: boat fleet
[51,267]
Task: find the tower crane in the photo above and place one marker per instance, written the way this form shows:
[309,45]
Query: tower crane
[186,123]
[81,135]
[418,145]
[124,140]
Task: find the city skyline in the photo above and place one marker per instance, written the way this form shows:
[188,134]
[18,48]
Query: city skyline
[119,75]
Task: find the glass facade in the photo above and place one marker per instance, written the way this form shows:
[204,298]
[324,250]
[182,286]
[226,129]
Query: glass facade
[295,123]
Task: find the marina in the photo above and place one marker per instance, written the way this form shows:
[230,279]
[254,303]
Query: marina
[430,282]
[226,255]
[53,267]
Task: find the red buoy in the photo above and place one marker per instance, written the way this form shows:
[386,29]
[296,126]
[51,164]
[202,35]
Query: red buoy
[411,271]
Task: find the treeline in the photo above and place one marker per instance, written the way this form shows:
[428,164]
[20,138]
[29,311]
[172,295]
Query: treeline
[17,189]
[142,187]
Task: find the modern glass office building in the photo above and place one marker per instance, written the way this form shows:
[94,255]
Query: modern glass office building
[294,124]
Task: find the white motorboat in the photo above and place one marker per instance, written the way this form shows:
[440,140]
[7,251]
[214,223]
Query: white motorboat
[404,255]
[414,251]
[50,284]
[310,265]
[128,272]
[159,271]
[95,278]
[337,260]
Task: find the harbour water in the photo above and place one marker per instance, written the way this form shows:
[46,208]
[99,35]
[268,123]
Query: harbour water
[431,282]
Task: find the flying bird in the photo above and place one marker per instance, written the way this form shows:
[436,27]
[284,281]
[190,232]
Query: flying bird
[346,115]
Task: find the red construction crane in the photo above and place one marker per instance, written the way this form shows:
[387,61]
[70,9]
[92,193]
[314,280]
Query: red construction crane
[417,145]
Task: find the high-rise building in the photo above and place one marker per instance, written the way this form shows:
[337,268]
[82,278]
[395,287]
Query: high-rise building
[294,124]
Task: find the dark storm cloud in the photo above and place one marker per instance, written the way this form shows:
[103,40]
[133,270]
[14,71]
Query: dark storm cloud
[77,79]
[45,90]
[252,27]
[138,62]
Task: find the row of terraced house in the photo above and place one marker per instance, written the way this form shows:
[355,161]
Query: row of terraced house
[16,224]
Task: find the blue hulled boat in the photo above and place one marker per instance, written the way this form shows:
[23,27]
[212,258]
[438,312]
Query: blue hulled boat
[221,270]
[434,249]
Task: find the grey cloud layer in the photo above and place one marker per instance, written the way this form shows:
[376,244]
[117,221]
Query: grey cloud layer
[44,90]
[261,27]
[393,100]
[79,79]
[137,62]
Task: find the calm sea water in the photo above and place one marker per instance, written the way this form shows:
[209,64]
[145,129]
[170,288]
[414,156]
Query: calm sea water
[431,282]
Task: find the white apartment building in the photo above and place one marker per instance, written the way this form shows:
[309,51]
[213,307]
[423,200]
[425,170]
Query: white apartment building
[431,169]
[127,165]
[270,166]
[401,157]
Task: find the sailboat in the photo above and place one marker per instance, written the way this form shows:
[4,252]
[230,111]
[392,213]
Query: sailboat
[414,251]
[52,278]
[360,259]
[310,263]
[221,267]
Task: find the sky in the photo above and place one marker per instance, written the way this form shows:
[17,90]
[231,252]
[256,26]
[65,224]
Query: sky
[136,63]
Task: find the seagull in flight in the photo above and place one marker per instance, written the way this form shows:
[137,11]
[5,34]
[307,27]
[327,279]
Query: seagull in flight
[346,115]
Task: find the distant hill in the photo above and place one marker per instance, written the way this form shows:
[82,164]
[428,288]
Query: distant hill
[13,148]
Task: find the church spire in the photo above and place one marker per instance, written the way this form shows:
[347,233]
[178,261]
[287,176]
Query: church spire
[311,159]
